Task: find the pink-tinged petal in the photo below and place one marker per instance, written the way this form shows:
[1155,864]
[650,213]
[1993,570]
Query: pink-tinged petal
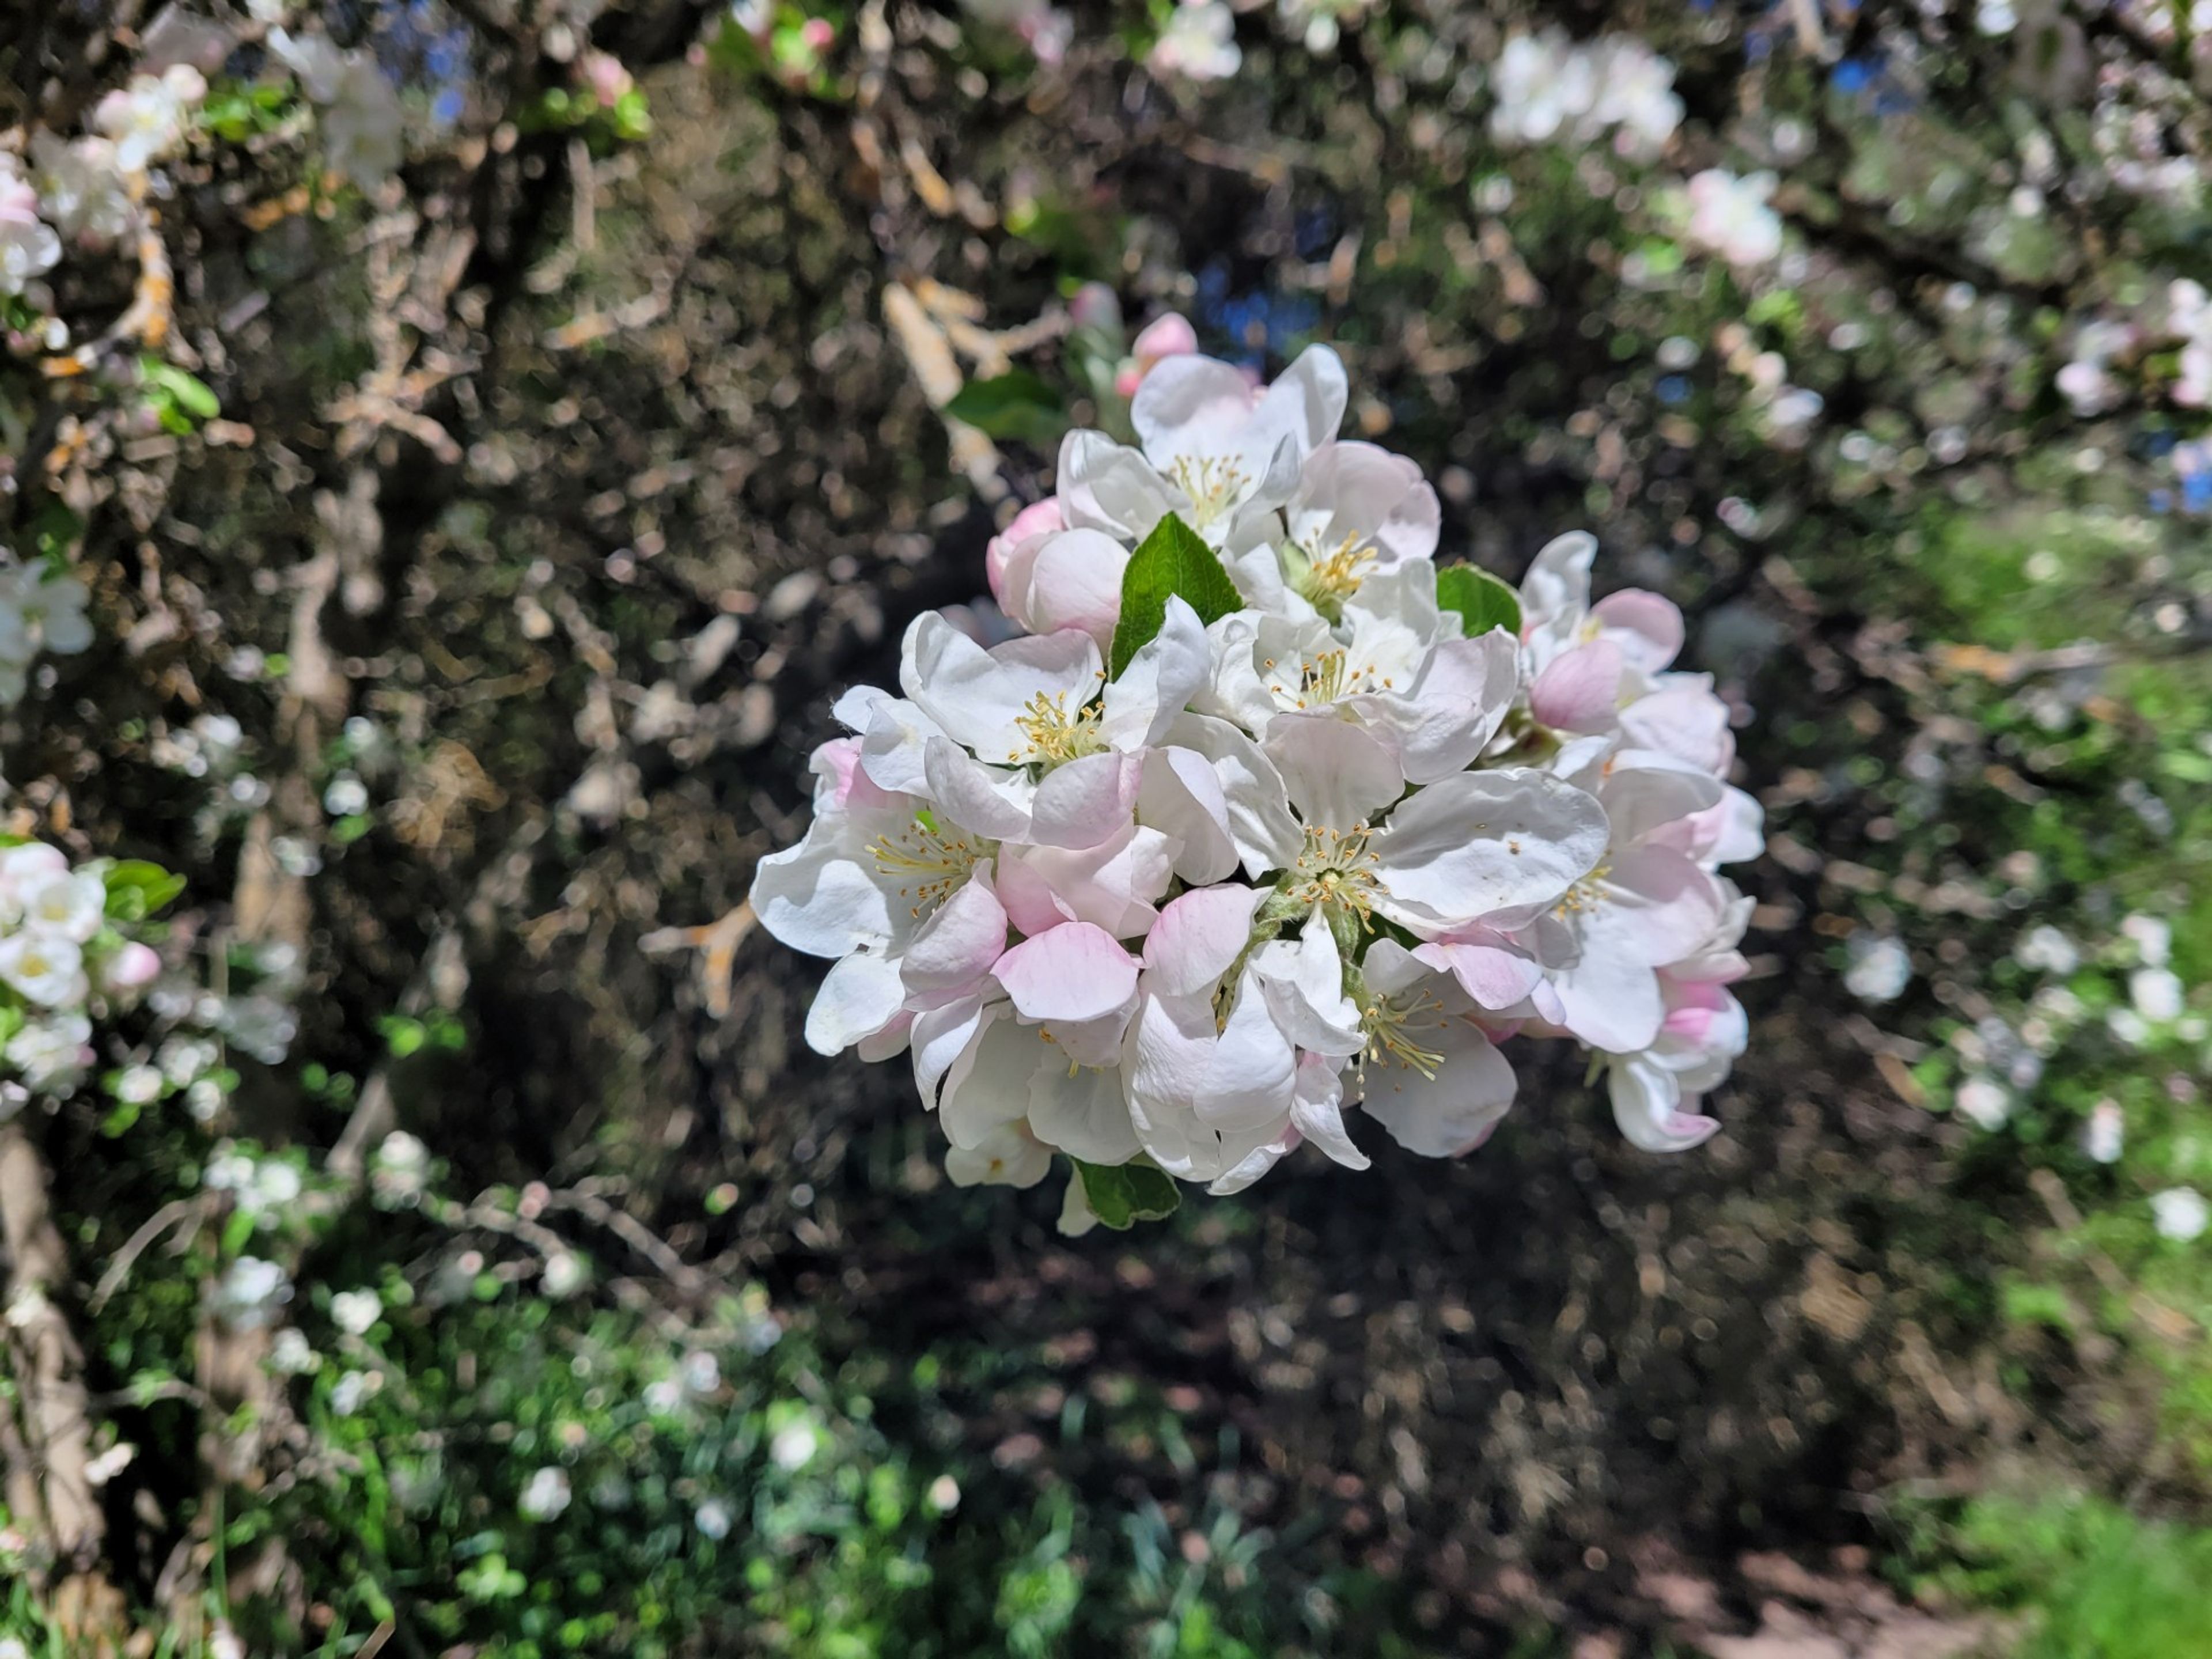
[1495,974]
[1087,800]
[1198,938]
[1071,579]
[1580,690]
[859,998]
[133,968]
[1076,971]
[1690,1025]
[1647,628]
[887,1044]
[1687,720]
[1115,884]
[1031,904]
[1032,524]
[1358,494]
[1645,792]
[1167,335]
[1338,775]
[1649,1106]
[956,947]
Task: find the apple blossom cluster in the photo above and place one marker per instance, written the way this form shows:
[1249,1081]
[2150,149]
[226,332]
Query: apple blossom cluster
[87,191]
[1548,88]
[63,957]
[39,610]
[1266,816]
[1197,43]
[1730,217]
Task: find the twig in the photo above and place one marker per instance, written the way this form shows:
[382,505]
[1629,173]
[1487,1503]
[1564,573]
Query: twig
[48,1364]
[119,1269]
[633,1232]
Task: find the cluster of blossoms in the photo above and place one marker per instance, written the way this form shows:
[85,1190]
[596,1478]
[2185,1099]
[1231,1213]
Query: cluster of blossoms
[1264,816]
[363,126]
[61,958]
[1548,88]
[88,191]
[40,611]
[1730,217]
[1197,43]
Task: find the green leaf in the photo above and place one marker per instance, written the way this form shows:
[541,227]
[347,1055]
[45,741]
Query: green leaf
[1482,601]
[1122,1195]
[194,396]
[1170,562]
[1017,405]
[137,888]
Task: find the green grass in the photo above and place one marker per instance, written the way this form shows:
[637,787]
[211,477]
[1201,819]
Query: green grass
[2087,1579]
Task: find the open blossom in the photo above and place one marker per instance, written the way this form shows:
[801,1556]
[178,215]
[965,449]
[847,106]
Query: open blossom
[1198,44]
[1288,851]
[1548,88]
[148,119]
[363,126]
[39,611]
[29,246]
[1730,217]
[81,191]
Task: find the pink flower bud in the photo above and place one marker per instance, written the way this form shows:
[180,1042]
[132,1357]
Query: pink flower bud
[818,32]
[1038,519]
[1168,335]
[131,969]
[1095,307]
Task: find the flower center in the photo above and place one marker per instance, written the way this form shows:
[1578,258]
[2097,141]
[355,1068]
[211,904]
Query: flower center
[933,862]
[1053,735]
[1326,677]
[1585,896]
[1327,581]
[1213,483]
[1394,1026]
[1335,873]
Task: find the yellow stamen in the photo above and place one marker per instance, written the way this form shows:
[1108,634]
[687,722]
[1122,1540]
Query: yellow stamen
[937,861]
[1054,736]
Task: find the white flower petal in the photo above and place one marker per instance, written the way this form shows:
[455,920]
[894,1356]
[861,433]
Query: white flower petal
[1480,842]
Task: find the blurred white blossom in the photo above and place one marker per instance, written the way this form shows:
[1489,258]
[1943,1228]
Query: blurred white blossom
[2180,1213]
